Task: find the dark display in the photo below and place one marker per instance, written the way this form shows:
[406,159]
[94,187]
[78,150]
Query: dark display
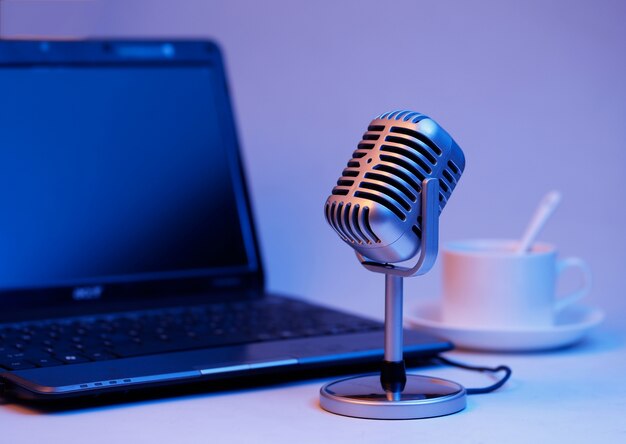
[113,174]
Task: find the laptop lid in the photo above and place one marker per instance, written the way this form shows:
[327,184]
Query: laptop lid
[120,177]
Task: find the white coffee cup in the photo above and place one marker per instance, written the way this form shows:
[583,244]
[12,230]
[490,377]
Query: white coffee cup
[487,284]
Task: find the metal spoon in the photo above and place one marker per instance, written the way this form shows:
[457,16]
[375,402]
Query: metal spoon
[543,212]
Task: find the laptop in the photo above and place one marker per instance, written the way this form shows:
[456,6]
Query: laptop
[128,253]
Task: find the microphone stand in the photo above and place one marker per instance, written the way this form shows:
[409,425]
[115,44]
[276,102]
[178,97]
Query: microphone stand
[393,395]
[393,372]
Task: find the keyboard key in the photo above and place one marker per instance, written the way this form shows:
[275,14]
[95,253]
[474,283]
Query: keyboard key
[12,356]
[129,350]
[99,356]
[72,358]
[265,337]
[17,365]
[22,355]
[46,362]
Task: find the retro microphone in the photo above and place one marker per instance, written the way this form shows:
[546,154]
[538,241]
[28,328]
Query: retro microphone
[386,206]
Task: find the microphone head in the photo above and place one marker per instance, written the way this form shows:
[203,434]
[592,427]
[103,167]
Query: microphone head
[375,207]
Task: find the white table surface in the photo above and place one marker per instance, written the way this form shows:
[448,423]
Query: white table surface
[575,395]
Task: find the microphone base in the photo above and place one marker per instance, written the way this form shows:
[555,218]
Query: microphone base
[364,397]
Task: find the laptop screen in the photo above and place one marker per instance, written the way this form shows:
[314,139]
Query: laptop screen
[117,173]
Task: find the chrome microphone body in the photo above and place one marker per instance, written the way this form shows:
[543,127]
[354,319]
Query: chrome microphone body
[375,206]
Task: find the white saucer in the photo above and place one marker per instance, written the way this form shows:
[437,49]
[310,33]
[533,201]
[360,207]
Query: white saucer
[570,326]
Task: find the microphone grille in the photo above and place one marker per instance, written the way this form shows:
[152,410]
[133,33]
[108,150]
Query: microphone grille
[397,152]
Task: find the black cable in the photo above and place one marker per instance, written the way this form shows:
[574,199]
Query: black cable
[479,390]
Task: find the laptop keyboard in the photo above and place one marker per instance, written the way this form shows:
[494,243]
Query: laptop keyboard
[77,340]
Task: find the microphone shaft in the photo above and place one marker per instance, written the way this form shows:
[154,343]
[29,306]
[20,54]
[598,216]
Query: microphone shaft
[393,318]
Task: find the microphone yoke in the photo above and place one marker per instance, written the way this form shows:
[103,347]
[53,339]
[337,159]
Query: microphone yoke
[375,206]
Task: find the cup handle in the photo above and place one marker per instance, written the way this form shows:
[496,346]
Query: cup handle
[573,262]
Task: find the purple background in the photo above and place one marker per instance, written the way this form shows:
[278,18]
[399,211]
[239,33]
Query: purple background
[534,92]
